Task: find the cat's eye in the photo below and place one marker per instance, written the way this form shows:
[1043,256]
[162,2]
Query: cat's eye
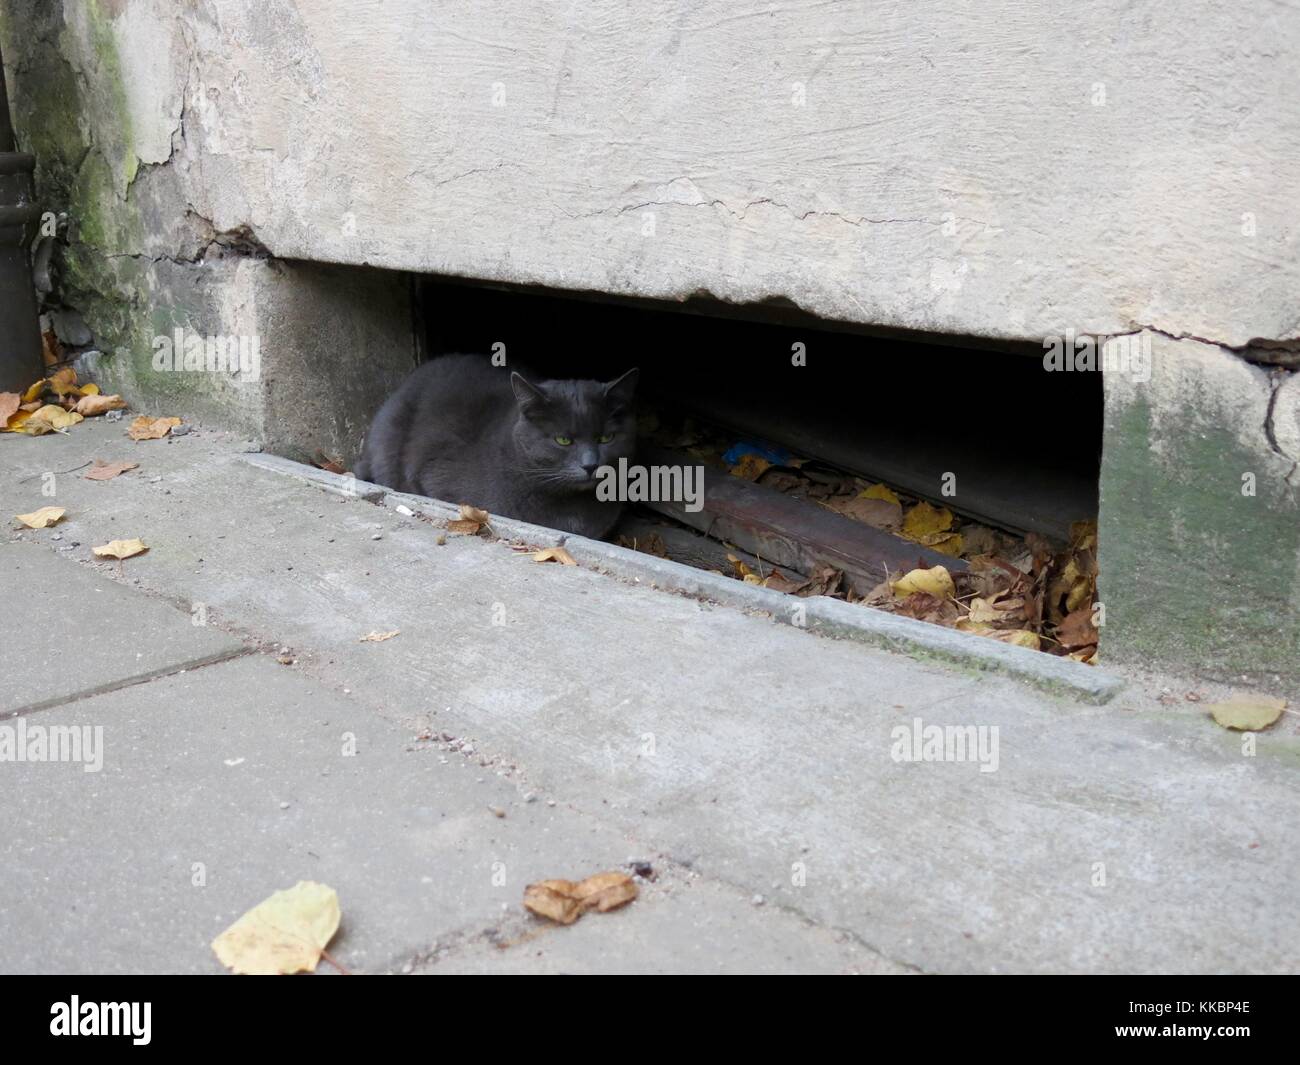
[564,441]
[607,438]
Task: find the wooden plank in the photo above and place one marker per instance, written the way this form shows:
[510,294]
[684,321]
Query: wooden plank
[692,548]
[792,532]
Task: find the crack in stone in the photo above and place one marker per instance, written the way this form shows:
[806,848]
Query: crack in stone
[1278,379]
[798,215]
[1253,351]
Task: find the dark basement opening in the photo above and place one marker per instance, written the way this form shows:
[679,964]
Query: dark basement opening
[813,471]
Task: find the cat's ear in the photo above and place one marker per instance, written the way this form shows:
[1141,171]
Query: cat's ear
[620,392]
[527,395]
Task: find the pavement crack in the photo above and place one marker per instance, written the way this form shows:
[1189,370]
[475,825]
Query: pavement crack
[129,682]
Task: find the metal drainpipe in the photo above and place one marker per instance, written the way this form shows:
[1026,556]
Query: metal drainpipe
[20,333]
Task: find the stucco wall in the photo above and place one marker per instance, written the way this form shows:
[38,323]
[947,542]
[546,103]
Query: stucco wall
[1001,168]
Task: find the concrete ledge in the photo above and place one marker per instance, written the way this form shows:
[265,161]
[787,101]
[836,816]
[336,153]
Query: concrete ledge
[819,614]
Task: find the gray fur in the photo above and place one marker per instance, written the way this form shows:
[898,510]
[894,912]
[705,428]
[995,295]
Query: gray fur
[464,431]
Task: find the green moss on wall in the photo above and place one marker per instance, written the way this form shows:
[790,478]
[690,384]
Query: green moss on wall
[1194,574]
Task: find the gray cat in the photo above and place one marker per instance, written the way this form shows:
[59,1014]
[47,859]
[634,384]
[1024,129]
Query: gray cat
[465,431]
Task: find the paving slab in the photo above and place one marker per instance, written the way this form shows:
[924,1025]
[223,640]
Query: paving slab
[71,632]
[692,925]
[220,786]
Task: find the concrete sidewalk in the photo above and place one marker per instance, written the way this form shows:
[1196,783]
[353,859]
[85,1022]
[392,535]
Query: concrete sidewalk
[748,762]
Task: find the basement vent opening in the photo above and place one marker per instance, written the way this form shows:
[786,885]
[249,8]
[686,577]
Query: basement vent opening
[835,461]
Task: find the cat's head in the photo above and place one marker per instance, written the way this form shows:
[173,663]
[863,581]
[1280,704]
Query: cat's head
[567,430]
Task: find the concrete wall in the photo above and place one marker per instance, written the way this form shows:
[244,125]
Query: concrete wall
[1002,169]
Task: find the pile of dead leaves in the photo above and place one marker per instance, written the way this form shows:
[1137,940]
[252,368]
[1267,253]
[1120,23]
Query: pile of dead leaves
[1024,591]
[1040,596]
[53,404]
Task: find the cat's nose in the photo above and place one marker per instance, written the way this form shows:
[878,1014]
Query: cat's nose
[591,468]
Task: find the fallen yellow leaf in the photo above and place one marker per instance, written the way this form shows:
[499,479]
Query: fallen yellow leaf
[936,581]
[926,520]
[146,428]
[63,381]
[120,549]
[34,392]
[47,419]
[287,933]
[16,421]
[554,554]
[946,543]
[880,491]
[1247,713]
[378,637]
[43,518]
[1021,638]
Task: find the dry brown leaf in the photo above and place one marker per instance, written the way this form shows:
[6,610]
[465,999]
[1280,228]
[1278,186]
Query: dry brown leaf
[924,606]
[121,549]
[323,462]
[741,569]
[9,404]
[750,467]
[607,891]
[378,637]
[146,428]
[556,900]
[553,554]
[983,612]
[980,540]
[287,933]
[827,580]
[471,520]
[63,380]
[778,581]
[1077,629]
[564,901]
[92,403]
[106,471]
[880,513]
[43,518]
